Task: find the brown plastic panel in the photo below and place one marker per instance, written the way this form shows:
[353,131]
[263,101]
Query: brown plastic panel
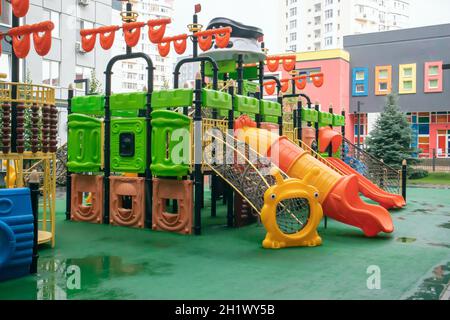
[87,184]
[122,214]
[181,191]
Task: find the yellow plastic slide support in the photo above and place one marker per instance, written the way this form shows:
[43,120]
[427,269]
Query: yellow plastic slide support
[281,196]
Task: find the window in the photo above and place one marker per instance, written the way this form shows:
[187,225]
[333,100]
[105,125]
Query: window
[5,65]
[293,36]
[433,77]
[328,14]
[383,80]
[360,82]
[328,41]
[53,16]
[5,17]
[293,24]
[82,24]
[407,78]
[328,27]
[308,72]
[293,12]
[82,73]
[50,72]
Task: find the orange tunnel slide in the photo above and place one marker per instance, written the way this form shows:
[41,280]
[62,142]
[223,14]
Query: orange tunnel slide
[339,195]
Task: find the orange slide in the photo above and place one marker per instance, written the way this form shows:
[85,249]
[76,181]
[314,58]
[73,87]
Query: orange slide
[338,195]
[327,136]
[369,189]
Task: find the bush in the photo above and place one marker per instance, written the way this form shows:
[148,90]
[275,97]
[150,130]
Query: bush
[418,174]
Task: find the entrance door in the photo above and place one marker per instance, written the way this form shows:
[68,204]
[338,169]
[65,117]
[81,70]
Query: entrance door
[442,142]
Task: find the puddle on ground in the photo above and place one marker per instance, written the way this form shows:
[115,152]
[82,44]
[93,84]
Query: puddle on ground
[443,245]
[78,278]
[436,287]
[406,240]
[426,211]
[401,218]
[445,225]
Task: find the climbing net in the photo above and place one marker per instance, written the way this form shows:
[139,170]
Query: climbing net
[249,173]
[381,174]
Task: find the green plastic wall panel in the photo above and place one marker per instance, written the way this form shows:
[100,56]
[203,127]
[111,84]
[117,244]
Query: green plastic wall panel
[90,105]
[84,146]
[127,104]
[134,163]
[310,115]
[270,108]
[172,98]
[250,87]
[249,73]
[246,105]
[325,118]
[338,120]
[170,137]
[226,66]
[216,100]
[271,119]
[224,113]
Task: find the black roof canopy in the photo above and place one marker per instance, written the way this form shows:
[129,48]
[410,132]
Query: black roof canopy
[239,30]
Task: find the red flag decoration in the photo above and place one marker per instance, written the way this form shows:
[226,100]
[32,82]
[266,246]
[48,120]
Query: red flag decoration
[20,7]
[107,36]
[88,37]
[132,32]
[317,79]
[179,43]
[285,85]
[157,29]
[221,35]
[21,40]
[269,87]
[43,44]
[289,62]
[300,82]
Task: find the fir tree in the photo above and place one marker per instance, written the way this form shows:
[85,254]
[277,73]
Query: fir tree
[391,138]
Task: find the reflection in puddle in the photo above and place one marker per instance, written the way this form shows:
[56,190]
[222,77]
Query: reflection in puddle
[406,240]
[437,287]
[445,225]
[71,278]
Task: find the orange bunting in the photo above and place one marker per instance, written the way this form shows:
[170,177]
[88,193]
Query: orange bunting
[223,37]
[205,42]
[285,85]
[164,48]
[88,37]
[289,63]
[273,64]
[270,87]
[157,29]
[179,43]
[300,82]
[21,40]
[317,79]
[43,44]
[132,32]
[20,7]
[107,36]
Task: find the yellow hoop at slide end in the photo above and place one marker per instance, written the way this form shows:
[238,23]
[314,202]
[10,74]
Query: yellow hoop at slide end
[285,190]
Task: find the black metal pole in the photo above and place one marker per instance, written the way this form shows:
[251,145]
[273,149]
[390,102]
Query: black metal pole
[68,173]
[404,178]
[198,175]
[33,184]
[229,189]
[299,120]
[240,75]
[258,116]
[343,142]
[15,78]
[359,124]
[86,85]
[330,147]
[129,9]
[316,128]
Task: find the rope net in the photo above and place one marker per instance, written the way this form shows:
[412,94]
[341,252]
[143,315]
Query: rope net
[381,174]
[249,173]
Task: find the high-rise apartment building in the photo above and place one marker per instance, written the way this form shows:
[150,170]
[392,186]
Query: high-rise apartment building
[131,75]
[311,25]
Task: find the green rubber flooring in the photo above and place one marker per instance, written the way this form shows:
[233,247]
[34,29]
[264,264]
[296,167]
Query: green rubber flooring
[121,263]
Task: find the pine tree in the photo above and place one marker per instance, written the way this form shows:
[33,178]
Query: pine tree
[391,138]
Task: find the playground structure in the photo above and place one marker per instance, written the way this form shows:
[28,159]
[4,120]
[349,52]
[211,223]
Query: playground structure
[140,158]
[29,120]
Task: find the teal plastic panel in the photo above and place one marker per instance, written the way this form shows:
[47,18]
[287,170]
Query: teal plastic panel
[172,98]
[89,105]
[270,108]
[216,100]
[246,105]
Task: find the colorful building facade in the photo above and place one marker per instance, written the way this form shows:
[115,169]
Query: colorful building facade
[414,64]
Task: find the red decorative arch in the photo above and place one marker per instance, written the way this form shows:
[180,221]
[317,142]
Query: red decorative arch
[107,36]
[21,40]
[300,82]
[88,38]
[317,79]
[43,44]
[20,7]
[269,87]
[273,63]
[180,43]
[164,48]
[285,85]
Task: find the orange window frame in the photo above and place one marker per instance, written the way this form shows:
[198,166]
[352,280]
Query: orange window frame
[378,81]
